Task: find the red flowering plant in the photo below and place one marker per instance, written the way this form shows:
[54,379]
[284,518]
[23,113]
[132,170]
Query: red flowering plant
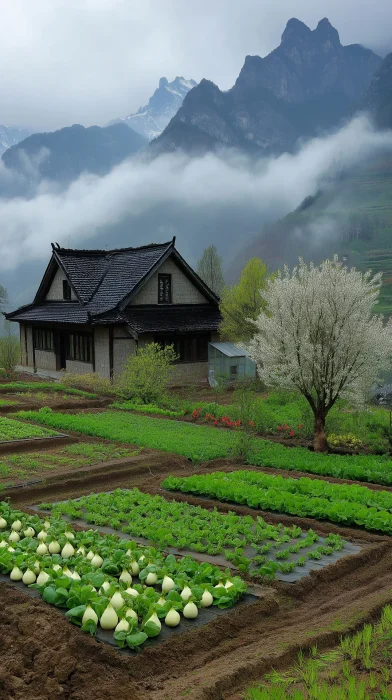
[287,430]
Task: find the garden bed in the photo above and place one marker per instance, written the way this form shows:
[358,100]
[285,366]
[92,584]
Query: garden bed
[17,470]
[213,661]
[229,541]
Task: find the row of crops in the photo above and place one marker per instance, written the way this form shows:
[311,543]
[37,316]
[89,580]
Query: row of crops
[107,583]
[15,430]
[202,443]
[250,544]
[350,505]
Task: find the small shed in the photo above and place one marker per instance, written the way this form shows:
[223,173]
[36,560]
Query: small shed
[228,361]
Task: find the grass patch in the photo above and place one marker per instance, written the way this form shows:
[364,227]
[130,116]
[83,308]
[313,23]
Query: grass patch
[5,402]
[202,443]
[146,408]
[358,669]
[15,430]
[23,387]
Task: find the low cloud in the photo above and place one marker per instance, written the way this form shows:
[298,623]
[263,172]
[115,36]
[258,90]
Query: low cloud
[222,198]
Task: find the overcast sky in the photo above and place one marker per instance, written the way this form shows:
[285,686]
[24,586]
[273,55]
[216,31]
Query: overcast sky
[88,61]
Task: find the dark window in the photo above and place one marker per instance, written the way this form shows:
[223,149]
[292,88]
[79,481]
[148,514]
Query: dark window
[66,290]
[164,289]
[80,347]
[189,348]
[43,339]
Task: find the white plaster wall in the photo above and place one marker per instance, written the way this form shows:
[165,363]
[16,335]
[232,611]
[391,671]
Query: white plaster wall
[45,359]
[101,348]
[122,349]
[77,367]
[23,355]
[183,290]
[29,334]
[189,373]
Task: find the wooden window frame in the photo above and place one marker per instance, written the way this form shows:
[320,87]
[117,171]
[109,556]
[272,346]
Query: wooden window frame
[190,348]
[80,348]
[43,339]
[162,298]
[67,292]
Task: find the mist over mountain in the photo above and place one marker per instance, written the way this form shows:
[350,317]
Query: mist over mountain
[65,154]
[10,136]
[378,98]
[150,120]
[308,85]
[226,168]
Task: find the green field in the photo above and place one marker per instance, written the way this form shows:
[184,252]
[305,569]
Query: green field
[202,443]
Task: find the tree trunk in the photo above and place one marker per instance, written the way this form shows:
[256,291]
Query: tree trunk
[320,440]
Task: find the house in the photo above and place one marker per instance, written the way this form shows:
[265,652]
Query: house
[94,308]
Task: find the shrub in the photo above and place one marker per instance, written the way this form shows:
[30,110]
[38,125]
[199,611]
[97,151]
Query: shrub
[350,441]
[147,373]
[90,381]
[9,354]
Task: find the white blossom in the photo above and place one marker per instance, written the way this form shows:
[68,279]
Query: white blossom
[319,335]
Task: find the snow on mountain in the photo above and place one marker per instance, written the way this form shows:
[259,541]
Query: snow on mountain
[150,120]
[10,136]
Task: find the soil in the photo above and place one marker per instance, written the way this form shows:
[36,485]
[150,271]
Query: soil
[25,377]
[45,657]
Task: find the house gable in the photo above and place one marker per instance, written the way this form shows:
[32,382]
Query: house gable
[55,291]
[184,291]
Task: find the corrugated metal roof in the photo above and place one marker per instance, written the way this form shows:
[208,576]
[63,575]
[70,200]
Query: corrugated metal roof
[230,349]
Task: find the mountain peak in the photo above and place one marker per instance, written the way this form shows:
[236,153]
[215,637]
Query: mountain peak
[151,119]
[327,32]
[295,29]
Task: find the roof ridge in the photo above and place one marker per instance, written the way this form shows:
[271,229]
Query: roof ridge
[112,251]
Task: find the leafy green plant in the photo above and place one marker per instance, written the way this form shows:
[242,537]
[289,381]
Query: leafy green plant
[147,373]
[349,441]
[9,350]
[180,525]
[108,581]
[90,382]
[15,430]
[350,505]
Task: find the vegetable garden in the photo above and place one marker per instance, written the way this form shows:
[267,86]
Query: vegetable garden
[247,543]
[339,503]
[172,562]
[103,581]
[15,430]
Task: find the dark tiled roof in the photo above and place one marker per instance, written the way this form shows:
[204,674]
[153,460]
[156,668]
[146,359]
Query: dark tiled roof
[102,278]
[105,279]
[124,273]
[173,319]
[85,273]
[54,311]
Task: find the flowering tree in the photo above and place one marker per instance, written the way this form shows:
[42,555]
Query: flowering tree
[320,336]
